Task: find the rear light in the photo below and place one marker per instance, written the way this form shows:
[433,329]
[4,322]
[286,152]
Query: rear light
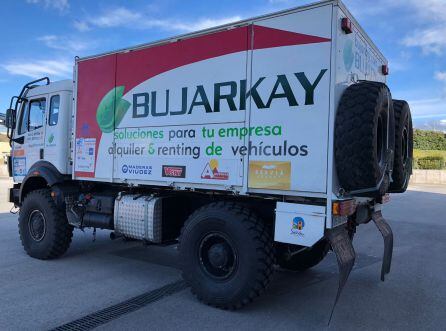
[344,208]
[385,69]
[346,25]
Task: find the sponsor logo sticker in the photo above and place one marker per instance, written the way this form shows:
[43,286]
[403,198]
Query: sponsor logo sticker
[274,175]
[19,166]
[136,169]
[174,171]
[297,225]
[211,171]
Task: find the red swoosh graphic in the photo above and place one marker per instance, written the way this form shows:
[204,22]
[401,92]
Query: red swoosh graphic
[99,75]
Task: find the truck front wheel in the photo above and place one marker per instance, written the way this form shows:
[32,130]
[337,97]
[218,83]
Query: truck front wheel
[44,229]
[226,255]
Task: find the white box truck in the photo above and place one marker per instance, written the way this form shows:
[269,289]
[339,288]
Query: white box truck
[259,143]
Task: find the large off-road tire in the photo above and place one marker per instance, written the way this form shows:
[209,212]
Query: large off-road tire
[226,255]
[364,135]
[304,257]
[402,166]
[44,229]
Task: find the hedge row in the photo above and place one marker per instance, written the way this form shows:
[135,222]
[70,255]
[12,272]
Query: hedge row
[429,162]
[423,139]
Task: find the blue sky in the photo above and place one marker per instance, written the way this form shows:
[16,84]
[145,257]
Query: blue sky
[41,37]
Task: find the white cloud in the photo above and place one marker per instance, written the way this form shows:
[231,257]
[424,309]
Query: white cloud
[431,40]
[60,5]
[39,68]
[427,108]
[81,26]
[440,75]
[203,23]
[275,2]
[116,17]
[64,43]
[427,19]
[123,17]
[431,10]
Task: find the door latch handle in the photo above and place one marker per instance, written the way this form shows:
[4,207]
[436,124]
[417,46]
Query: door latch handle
[41,153]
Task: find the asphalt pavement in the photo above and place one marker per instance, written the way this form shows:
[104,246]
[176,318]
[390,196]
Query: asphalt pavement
[94,275]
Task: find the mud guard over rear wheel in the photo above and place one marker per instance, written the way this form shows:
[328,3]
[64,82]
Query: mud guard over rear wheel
[342,246]
[345,255]
[387,234]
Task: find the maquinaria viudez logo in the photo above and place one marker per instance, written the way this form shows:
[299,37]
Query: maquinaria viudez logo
[111,109]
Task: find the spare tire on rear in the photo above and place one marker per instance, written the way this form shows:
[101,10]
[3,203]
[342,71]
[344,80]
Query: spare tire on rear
[364,139]
[402,166]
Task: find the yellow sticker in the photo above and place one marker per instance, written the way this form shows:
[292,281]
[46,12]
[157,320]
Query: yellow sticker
[273,175]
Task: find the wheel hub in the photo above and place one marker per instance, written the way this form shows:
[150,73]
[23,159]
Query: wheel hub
[37,225]
[217,256]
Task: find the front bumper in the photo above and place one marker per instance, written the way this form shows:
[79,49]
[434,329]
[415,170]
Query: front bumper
[14,193]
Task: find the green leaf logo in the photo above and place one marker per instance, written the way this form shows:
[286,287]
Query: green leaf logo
[111,109]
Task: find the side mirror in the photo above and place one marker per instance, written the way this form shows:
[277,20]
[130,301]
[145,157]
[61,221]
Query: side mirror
[10,119]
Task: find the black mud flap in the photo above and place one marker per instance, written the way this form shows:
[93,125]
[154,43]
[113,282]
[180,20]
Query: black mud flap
[387,234]
[345,254]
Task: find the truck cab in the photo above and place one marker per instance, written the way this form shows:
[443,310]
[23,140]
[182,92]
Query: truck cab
[40,136]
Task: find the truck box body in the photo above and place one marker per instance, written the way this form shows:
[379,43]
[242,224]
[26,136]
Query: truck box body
[247,107]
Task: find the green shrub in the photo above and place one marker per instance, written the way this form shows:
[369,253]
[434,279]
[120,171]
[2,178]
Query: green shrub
[430,162]
[423,139]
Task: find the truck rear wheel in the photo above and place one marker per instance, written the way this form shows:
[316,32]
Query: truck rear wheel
[226,254]
[402,166]
[304,257]
[44,229]
[364,134]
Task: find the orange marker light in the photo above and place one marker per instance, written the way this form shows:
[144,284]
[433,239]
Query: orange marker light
[344,208]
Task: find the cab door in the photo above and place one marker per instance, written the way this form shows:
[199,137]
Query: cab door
[28,145]
[57,132]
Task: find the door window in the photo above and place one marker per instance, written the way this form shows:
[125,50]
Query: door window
[54,110]
[23,123]
[36,114]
